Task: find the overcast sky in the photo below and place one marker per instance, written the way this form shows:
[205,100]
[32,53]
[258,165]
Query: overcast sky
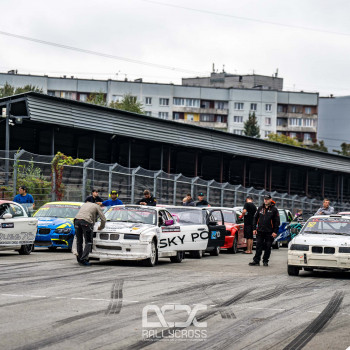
[306,40]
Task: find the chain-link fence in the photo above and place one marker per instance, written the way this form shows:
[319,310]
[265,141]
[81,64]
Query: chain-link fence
[35,172]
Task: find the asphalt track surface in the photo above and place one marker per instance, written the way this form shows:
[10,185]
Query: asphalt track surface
[48,301]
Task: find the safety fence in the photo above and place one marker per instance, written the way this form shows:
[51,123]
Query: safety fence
[35,172]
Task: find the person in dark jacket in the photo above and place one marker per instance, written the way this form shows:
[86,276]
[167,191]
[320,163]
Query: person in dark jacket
[188,201]
[148,199]
[201,201]
[248,214]
[265,225]
[94,198]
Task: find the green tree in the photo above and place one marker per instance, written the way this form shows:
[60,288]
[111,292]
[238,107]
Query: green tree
[345,149]
[285,139]
[128,103]
[98,98]
[319,146]
[9,90]
[251,127]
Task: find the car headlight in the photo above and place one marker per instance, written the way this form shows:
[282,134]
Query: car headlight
[63,230]
[303,247]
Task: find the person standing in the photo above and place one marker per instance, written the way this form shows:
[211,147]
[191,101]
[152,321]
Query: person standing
[84,224]
[265,225]
[201,201]
[326,209]
[188,201]
[23,197]
[113,201]
[94,198]
[147,199]
[248,213]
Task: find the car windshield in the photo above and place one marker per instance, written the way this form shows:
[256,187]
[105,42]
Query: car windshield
[188,216]
[58,211]
[229,216]
[327,226]
[283,216]
[127,214]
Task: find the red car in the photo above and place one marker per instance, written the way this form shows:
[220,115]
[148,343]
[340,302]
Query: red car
[234,239]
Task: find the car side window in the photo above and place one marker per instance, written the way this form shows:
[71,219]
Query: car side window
[4,208]
[162,218]
[16,210]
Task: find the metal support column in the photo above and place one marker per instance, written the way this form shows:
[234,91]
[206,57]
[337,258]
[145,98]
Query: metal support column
[15,168]
[293,200]
[7,144]
[134,171]
[53,141]
[175,185]
[208,188]
[83,191]
[192,185]
[110,173]
[155,183]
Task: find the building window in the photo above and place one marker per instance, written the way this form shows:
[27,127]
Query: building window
[238,119]
[239,106]
[179,101]
[205,104]
[219,119]
[309,122]
[149,113]
[190,102]
[148,101]
[267,133]
[117,98]
[163,115]
[164,102]
[307,137]
[190,117]
[238,132]
[220,105]
[295,122]
[83,97]
[267,121]
[253,106]
[293,109]
[207,118]
[268,107]
[307,110]
[279,109]
[176,116]
[293,135]
[51,93]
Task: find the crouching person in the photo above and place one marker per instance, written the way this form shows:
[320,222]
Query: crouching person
[84,223]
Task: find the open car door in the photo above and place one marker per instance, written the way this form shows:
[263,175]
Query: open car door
[217,229]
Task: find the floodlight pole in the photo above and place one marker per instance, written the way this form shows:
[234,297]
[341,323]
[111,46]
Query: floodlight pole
[7,144]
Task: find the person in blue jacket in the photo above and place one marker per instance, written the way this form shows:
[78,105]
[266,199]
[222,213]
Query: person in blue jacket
[113,201]
[23,197]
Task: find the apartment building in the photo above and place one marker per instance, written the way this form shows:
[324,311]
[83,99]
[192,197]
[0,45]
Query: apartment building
[223,108]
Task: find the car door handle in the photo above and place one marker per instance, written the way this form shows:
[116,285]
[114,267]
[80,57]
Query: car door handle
[201,229]
[32,223]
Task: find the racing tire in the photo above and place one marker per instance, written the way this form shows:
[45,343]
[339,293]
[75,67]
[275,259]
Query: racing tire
[177,258]
[215,252]
[153,259]
[293,270]
[234,249]
[308,269]
[26,249]
[196,254]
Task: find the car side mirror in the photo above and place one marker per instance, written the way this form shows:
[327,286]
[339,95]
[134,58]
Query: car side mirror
[212,223]
[169,222]
[7,216]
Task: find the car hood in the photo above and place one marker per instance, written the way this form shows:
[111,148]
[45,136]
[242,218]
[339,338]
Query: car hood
[322,240]
[54,222]
[124,227]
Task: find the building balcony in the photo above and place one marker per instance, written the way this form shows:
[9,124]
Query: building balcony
[212,125]
[197,110]
[308,129]
[296,115]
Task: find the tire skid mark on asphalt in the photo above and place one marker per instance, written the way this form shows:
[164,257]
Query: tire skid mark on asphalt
[317,325]
[31,281]
[203,316]
[116,302]
[71,319]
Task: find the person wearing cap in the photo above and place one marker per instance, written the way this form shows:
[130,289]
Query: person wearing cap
[265,225]
[94,198]
[113,201]
[147,199]
[201,201]
[23,197]
[248,213]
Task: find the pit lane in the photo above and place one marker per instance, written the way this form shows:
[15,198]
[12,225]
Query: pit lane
[48,301]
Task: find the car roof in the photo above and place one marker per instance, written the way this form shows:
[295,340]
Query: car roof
[2,201]
[65,203]
[347,216]
[224,208]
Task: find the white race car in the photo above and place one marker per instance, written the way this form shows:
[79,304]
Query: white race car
[134,232]
[17,230]
[323,243]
